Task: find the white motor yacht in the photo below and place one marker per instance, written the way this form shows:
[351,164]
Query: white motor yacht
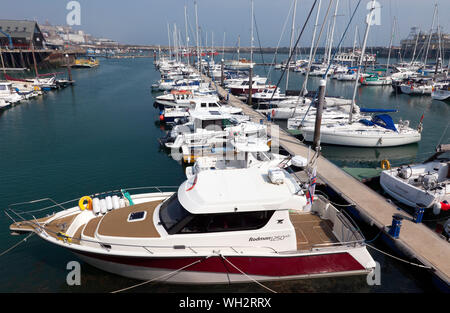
[222,226]
[8,94]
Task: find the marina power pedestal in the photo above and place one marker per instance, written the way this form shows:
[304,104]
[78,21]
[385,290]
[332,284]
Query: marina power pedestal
[394,230]
[418,215]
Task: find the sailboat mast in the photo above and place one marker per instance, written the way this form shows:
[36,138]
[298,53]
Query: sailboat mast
[390,45]
[431,34]
[292,39]
[168,36]
[196,32]
[175,42]
[415,46]
[361,58]
[251,36]
[332,32]
[354,43]
[223,46]
[186,34]
[316,24]
[239,47]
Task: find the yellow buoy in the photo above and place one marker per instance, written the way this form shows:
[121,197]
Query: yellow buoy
[385,165]
[89,203]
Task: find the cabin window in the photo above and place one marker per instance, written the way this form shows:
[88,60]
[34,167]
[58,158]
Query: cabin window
[172,213]
[208,223]
[203,105]
[217,124]
[177,220]
[2,87]
[137,216]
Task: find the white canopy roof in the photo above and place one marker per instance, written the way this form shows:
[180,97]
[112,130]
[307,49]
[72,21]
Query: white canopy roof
[237,190]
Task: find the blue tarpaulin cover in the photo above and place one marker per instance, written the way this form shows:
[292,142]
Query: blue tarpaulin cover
[383,120]
[366,110]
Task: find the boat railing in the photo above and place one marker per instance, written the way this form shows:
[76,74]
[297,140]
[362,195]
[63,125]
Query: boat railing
[216,249]
[12,208]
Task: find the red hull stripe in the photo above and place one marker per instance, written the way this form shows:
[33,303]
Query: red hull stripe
[264,266]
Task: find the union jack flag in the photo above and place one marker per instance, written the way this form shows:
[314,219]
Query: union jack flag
[311,189]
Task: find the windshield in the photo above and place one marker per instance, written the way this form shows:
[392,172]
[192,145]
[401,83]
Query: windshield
[171,213]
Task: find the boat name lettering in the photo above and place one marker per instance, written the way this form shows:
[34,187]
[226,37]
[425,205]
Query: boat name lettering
[271,238]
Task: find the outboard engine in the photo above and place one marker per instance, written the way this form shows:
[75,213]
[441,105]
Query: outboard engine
[430,181]
[404,172]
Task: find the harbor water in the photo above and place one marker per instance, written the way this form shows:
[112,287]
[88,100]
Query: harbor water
[101,134]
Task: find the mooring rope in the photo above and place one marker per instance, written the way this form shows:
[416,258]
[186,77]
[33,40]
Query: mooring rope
[251,278]
[159,277]
[399,259]
[14,246]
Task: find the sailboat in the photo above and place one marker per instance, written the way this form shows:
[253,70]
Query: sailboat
[380,131]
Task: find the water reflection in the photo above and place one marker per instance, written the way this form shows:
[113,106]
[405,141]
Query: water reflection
[370,157]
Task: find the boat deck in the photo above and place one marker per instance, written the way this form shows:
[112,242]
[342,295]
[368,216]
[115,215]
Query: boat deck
[114,223]
[415,240]
[311,230]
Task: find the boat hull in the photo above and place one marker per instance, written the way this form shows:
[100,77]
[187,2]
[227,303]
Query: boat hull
[218,270]
[356,140]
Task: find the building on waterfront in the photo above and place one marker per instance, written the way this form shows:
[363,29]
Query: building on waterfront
[20,34]
[418,41]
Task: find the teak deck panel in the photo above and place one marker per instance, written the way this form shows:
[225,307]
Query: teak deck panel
[311,230]
[115,222]
[417,239]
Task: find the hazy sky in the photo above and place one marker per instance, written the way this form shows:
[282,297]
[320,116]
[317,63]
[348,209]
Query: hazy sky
[145,21]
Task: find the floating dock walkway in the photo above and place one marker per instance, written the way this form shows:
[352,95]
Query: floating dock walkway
[415,240]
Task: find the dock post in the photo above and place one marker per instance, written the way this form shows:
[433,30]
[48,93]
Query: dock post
[394,230]
[69,72]
[418,215]
[316,141]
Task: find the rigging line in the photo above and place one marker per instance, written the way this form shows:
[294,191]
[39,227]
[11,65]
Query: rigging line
[443,133]
[254,280]
[399,259]
[23,240]
[342,39]
[309,67]
[159,277]
[279,40]
[315,51]
[291,54]
[259,42]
